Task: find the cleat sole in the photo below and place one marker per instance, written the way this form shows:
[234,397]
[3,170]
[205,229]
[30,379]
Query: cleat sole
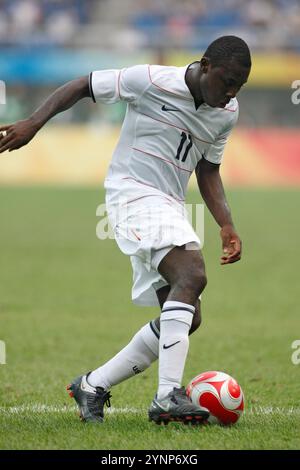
[165,419]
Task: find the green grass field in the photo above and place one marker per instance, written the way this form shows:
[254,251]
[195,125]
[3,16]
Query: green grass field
[65,308]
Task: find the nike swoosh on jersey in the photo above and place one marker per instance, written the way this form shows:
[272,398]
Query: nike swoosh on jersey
[165,108]
[170,345]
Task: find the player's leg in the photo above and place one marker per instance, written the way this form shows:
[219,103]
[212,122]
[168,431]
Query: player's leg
[140,352]
[91,390]
[134,358]
[184,270]
[162,295]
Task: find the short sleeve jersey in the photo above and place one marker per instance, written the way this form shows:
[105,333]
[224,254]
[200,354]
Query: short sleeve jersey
[163,136]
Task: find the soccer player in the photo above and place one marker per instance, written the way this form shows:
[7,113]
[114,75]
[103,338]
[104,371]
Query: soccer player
[178,120]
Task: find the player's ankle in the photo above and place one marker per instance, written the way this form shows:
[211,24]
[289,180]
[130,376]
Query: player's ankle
[164,390]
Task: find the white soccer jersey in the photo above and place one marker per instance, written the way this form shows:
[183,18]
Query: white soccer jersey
[163,136]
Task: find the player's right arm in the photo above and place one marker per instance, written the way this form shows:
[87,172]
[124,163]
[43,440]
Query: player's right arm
[21,132]
[105,86]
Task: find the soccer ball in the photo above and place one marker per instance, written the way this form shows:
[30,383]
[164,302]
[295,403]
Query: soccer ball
[220,394]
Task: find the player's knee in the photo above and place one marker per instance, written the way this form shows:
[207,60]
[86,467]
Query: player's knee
[198,278]
[194,281]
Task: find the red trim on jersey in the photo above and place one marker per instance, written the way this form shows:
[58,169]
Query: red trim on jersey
[229,109]
[165,89]
[145,184]
[141,197]
[150,186]
[161,158]
[147,195]
[177,127]
[136,235]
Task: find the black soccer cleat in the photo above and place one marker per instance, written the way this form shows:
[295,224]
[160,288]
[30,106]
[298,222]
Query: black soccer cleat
[90,400]
[176,406]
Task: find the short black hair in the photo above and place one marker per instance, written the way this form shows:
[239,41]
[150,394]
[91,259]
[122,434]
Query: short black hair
[228,48]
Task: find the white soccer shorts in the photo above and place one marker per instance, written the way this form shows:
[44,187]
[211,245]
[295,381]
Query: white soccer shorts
[147,229]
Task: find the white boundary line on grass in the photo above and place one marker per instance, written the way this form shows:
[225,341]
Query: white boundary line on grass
[48,409]
[42,408]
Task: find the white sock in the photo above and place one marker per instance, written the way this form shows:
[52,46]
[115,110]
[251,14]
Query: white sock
[137,356]
[175,322]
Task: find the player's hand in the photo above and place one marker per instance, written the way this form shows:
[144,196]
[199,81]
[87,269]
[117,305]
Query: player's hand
[14,136]
[232,245]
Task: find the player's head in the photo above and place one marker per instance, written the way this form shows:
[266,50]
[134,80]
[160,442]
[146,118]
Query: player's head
[225,67]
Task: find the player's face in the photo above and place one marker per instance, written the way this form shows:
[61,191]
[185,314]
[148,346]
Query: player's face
[221,83]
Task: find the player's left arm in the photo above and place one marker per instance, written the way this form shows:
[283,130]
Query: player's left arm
[212,192]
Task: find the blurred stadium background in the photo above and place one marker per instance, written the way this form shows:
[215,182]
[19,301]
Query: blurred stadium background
[48,42]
